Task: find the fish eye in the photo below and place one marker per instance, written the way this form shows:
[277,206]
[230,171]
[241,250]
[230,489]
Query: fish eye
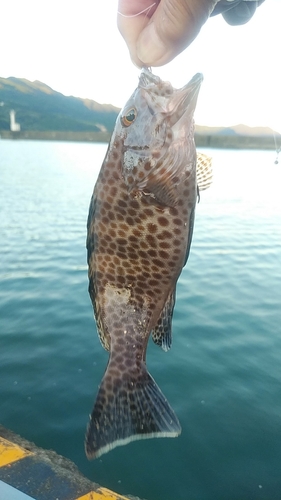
[129,117]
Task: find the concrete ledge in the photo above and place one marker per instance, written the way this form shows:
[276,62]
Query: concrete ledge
[43,474]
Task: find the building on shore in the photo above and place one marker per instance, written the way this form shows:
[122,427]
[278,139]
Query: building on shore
[14,126]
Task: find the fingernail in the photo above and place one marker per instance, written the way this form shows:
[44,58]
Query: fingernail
[150,47]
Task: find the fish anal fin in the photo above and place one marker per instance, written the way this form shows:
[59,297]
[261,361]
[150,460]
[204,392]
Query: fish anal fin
[162,333]
[128,408]
[204,171]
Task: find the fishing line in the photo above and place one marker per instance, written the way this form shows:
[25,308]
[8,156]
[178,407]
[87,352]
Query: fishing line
[278,149]
[139,13]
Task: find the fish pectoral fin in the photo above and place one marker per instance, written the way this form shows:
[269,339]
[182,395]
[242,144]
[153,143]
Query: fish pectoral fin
[163,190]
[162,333]
[204,171]
[128,408]
[163,180]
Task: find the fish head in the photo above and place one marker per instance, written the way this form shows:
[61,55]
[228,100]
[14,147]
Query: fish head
[156,128]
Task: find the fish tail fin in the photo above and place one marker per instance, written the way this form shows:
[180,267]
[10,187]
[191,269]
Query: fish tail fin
[127,408]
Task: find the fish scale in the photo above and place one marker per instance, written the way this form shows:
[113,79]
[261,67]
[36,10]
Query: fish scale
[139,232]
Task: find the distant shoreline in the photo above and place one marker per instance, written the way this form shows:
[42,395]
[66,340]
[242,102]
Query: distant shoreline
[202,140]
[56,135]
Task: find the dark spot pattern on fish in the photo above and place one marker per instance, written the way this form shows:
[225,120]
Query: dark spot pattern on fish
[139,234]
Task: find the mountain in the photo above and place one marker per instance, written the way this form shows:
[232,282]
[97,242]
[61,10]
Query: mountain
[39,107]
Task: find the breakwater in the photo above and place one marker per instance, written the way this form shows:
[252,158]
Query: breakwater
[234,141]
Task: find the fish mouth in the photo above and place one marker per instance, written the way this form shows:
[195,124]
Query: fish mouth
[183,102]
[179,103]
[193,86]
[147,78]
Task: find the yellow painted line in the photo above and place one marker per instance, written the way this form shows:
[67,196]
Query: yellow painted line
[102,494]
[10,452]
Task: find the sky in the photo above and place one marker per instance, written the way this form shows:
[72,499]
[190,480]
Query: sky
[76,48]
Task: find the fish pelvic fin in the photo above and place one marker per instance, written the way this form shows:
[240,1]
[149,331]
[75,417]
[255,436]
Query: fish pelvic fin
[162,333]
[128,408]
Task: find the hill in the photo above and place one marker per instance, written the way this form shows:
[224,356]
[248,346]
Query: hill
[46,114]
[39,107]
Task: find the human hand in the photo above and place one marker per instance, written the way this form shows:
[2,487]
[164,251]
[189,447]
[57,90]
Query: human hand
[157,31]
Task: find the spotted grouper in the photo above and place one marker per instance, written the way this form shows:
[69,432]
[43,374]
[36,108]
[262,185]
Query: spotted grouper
[139,234]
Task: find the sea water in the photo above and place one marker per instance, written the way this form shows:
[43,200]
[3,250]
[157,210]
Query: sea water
[223,373]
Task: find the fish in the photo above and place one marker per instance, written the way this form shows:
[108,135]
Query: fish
[139,233]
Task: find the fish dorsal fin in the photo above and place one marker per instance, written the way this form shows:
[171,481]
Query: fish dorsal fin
[162,333]
[204,171]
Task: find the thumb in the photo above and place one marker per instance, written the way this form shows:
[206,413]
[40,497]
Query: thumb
[173,26]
